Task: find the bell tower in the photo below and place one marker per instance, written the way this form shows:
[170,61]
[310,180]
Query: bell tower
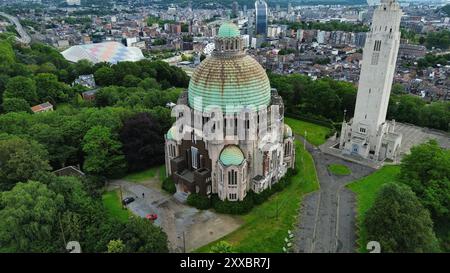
[364,134]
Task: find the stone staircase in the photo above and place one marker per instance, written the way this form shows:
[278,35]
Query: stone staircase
[181,196]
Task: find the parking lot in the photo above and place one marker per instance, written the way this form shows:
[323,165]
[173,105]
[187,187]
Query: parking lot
[187,228]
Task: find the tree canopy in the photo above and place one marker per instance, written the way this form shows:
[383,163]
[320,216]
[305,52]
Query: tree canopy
[399,222]
[427,171]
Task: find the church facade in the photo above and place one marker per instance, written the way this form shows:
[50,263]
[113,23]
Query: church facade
[251,159]
[368,134]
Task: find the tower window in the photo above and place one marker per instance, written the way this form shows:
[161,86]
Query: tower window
[375,58]
[377,46]
[194,157]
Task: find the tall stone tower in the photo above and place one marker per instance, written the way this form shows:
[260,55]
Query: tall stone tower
[368,134]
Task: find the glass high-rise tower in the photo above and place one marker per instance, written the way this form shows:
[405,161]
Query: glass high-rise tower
[261,17]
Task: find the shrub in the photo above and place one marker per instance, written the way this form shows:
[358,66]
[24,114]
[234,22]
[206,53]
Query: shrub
[261,197]
[233,207]
[291,172]
[222,247]
[244,206]
[169,186]
[198,201]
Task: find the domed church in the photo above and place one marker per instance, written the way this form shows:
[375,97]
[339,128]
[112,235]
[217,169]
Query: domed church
[230,167]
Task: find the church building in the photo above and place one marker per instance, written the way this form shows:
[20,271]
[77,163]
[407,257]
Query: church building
[237,164]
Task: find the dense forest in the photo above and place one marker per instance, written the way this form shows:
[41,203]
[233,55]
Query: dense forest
[326,100]
[121,131]
[327,26]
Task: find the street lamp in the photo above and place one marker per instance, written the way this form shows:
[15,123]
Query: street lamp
[184,241]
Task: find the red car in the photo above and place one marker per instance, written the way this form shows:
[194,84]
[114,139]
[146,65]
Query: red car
[152,217]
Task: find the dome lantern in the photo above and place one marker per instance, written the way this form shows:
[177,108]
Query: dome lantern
[229,40]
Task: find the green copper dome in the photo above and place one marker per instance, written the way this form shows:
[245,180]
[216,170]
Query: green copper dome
[231,155]
[230,83]
[228,30]
[171,133]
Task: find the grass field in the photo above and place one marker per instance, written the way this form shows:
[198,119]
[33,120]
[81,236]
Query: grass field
[112,203]
[315,134]
[338,169]
[143,176]
[262,230]
[366,189]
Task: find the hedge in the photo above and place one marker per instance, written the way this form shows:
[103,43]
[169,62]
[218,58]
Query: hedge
[244,206]
[198,201]
[168,185]
[232,207]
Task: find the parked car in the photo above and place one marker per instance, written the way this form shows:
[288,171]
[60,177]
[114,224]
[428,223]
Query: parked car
[152,216]
[127,201]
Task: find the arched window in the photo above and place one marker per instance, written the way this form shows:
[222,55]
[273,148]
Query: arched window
[232,177]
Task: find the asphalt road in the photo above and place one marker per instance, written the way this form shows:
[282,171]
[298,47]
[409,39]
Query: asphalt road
[24,37]
[327,217]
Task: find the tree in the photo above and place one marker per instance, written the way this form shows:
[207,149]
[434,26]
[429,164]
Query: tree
[149,83]
[399,222]
[28,219]
[108,96]
[398,89]
[427,171]
[122,69]
[104,76]
[131,81]
[103,153]
[21,87]
[143,142]
[83,67]
[140,235]
[405,108]
[16,105]
[116,246]
[50,89]
[435,115]
[21,160]
[47,68]
[7,56]
[438,39]
[222,247]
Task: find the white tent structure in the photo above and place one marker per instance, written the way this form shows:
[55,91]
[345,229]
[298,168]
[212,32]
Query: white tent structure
[111,52]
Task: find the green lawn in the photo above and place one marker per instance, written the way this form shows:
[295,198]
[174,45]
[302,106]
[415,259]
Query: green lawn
[338,169]
[315,134]
[262,231]
[366,189]
[112,203]
[143,176]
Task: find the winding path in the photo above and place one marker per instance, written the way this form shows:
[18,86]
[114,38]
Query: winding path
[327,217]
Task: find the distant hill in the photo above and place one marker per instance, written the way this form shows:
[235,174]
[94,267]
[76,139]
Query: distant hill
[272,3]
[446,9]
